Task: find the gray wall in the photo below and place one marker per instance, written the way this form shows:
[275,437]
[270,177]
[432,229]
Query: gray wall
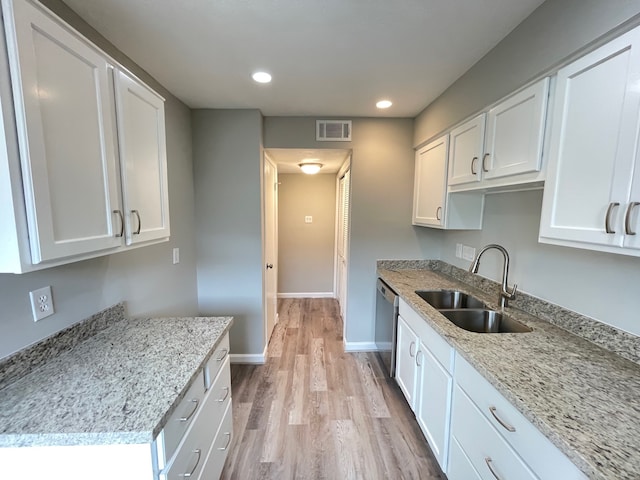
[555,31]
[227,164]
[306,250]
[578,279]
[382,167]
[145,278]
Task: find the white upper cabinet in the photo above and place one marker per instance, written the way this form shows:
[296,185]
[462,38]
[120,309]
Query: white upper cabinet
[591,194]
[515,133]
[467,148]
[502,147]
[143,160]
[77,182]
[63,108]
[430,184]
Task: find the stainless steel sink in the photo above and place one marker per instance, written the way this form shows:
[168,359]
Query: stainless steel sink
[484,321]
[447,299]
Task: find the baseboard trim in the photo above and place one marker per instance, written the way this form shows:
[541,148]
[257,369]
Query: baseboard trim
[249,358]
[360,346]
[307,295]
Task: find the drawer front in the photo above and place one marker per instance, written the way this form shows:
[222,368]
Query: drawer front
[182,418]
[192,453]
[215,363]
[540,454]
[441,350]
[488,452]
[220,394]
[218,454]
[460,467]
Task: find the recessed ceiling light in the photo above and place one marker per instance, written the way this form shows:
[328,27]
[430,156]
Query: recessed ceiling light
[261,77]
[384,104]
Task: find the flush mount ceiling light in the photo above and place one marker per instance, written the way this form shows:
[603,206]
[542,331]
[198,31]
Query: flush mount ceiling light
[384,104]
[310,168]
[261,77]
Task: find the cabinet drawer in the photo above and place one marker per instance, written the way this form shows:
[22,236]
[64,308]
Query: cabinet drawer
[441,350]
[216,361]
[487,451]
[539,453]
[217,455]
[190,457]
[460,467]
[181,418]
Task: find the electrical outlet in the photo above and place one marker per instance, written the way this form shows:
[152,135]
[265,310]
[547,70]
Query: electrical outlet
[468,253]
[308,219]
[176,256]
[41,303]
[458,250]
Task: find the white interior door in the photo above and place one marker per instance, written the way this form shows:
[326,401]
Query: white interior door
[270,245]
[344,185]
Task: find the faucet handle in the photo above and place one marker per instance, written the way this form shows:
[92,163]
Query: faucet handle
[512,293]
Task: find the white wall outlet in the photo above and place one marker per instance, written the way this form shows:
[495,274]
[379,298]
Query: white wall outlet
[308,219]
[176,256]
[468,253]
[41,303]
[458,250]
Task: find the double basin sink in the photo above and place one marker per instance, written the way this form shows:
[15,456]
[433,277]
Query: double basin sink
[469,313]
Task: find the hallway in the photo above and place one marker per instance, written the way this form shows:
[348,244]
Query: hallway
[315,412]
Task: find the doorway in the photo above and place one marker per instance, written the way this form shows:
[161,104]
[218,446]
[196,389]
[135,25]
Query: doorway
[310,256]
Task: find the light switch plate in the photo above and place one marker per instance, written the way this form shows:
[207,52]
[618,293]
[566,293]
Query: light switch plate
[468,253]
[176,256]
[41,303]
[458,250]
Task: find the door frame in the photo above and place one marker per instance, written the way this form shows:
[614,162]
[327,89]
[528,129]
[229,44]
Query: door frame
[346,166]
[267,160]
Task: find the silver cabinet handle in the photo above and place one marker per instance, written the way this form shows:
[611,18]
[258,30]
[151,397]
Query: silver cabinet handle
[439,213]
[419,364]
[137,214]
[227,391]
[228,434]
[119,212]
[195,402]
[627,218]
[411,352]
[607,218]
[222,356]
[484,162]
[509,428]
[473,164]
[489,463]
[198,452]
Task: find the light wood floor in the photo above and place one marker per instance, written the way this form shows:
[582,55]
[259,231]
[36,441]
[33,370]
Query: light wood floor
[315,412]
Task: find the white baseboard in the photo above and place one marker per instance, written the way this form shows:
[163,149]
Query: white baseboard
[360,346]
[307,295]
[249,358]
[384,346]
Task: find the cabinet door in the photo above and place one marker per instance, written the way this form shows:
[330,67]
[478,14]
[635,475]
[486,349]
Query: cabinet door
[407,347]
[64,117]
[433,409]
[143,160]
[430,184]
[632,213]
[515,133]
[465,153]
[593,141]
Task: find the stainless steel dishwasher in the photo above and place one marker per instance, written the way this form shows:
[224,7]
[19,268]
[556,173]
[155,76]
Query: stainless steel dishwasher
[386,325]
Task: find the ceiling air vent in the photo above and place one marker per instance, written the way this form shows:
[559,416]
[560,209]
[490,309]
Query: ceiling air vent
[333,130]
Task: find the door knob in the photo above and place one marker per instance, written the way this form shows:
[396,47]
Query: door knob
[269,265]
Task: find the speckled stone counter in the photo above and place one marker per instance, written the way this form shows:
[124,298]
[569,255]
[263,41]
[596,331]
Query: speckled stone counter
[117,386]
[584,398]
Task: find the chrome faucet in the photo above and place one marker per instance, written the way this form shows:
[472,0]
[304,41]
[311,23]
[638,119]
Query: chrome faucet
[505,294]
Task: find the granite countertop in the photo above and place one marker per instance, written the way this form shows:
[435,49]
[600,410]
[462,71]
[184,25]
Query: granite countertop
[584,398]
[118,386]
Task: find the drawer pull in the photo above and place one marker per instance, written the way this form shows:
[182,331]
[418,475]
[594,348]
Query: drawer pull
[228,434]
[493,409]
[489,463]
[484,162]
[188,475]
[411,352]
[627,218]
[137,214]
[607,218]
[119,212]
[223,355]
[227,390]
[195,402]
[418,363]
[473,164]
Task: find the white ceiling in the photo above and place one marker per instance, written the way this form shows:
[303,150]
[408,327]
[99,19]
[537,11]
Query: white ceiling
[288,159]
[327,57]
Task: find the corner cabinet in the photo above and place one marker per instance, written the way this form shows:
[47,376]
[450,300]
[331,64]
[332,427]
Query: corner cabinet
[592,194]
[81,180]
[433,206]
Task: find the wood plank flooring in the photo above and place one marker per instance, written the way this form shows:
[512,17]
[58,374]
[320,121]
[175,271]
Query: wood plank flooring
[315,412]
